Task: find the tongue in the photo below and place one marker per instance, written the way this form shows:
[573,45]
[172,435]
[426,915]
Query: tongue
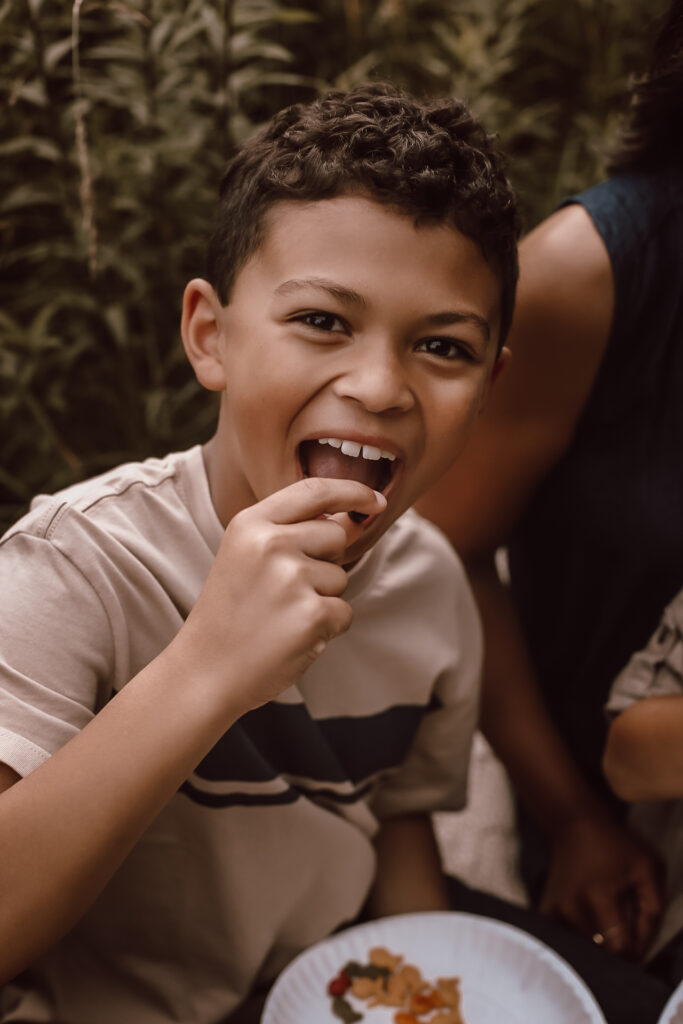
[323,460]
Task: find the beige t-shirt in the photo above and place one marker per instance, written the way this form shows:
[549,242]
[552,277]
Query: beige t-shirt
[267,847]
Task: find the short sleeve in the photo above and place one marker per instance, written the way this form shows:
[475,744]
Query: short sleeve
[655,671]
[55,651]
[433,776]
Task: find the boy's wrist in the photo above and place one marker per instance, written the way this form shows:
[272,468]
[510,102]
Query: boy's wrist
[200,687]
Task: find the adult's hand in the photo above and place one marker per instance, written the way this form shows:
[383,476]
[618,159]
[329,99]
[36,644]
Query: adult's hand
[605,882]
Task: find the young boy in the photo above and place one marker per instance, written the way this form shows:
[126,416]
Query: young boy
[203,772]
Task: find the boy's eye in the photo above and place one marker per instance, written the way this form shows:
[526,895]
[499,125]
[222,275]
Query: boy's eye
[321,321]
[445,348]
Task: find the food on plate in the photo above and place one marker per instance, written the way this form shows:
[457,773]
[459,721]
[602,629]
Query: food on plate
[385,980]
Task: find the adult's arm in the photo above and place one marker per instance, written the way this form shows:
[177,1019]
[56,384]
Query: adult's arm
[562,324]
[601,878]
[644,753]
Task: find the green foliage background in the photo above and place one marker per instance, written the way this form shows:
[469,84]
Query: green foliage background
[117,118]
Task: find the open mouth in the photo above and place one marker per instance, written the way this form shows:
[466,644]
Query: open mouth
[339,459]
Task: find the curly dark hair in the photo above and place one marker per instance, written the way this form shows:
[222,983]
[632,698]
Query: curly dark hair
[652,131]
[431,160]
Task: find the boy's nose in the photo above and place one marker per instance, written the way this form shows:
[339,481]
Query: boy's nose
[379,381]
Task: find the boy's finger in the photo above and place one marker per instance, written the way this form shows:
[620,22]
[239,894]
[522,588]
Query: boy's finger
[352,529]
[339,615]
[328,579]
[320,538]
[317,496]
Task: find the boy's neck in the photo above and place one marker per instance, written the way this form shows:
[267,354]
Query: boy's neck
[218,486]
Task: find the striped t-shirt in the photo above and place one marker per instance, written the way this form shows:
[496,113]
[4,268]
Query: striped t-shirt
[267,847]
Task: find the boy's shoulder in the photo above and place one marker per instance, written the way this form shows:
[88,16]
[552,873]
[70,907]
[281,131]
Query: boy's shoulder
[131,494]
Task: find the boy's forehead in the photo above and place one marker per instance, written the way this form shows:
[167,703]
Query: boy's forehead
[356,236]
[346,215]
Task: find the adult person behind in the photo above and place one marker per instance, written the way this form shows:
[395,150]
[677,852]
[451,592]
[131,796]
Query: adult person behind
[576,467]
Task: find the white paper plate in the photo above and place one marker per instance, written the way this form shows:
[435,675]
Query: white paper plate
[506,976]
[673,1011]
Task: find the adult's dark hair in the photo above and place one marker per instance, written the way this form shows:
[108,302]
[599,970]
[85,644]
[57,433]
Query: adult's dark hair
[652,132]
[431,160]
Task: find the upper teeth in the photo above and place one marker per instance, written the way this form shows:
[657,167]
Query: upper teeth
[368,451]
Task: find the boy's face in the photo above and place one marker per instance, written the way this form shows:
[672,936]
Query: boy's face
[349,324]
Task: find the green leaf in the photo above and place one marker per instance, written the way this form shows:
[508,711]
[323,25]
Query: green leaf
[27,196]
[32,92]
[122,51]
[160,33]
[56,51]
[42,148]
[245,45]
[184,35]
[115,318]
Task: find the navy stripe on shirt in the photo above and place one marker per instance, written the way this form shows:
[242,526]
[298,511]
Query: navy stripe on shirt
[284,740]
[268,798]
[199,796]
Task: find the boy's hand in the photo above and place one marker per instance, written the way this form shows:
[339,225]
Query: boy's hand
[272,598]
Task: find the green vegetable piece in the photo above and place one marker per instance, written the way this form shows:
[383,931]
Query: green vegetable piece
[342,1008]
[353,969]
[356,970]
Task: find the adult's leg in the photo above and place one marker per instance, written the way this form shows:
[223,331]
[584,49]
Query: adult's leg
[625,992]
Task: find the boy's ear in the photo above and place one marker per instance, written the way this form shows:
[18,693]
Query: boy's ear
[501,362]
[201,331]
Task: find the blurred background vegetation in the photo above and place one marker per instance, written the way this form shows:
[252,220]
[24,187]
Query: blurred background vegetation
[117,118]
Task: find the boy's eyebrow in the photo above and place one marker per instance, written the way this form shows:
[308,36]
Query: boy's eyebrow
[457,317]
[338,291]
[343,294]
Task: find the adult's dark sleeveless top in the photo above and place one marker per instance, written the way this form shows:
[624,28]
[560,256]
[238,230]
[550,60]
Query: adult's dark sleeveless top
[599,552]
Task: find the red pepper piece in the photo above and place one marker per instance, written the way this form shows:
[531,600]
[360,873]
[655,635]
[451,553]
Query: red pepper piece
[339,985]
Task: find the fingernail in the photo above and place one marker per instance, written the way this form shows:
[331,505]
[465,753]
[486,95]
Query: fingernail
[357,517]
[381,498]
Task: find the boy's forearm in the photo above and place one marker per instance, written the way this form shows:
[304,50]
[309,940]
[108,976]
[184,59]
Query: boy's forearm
[66,827]
[409,876]
[644,753]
